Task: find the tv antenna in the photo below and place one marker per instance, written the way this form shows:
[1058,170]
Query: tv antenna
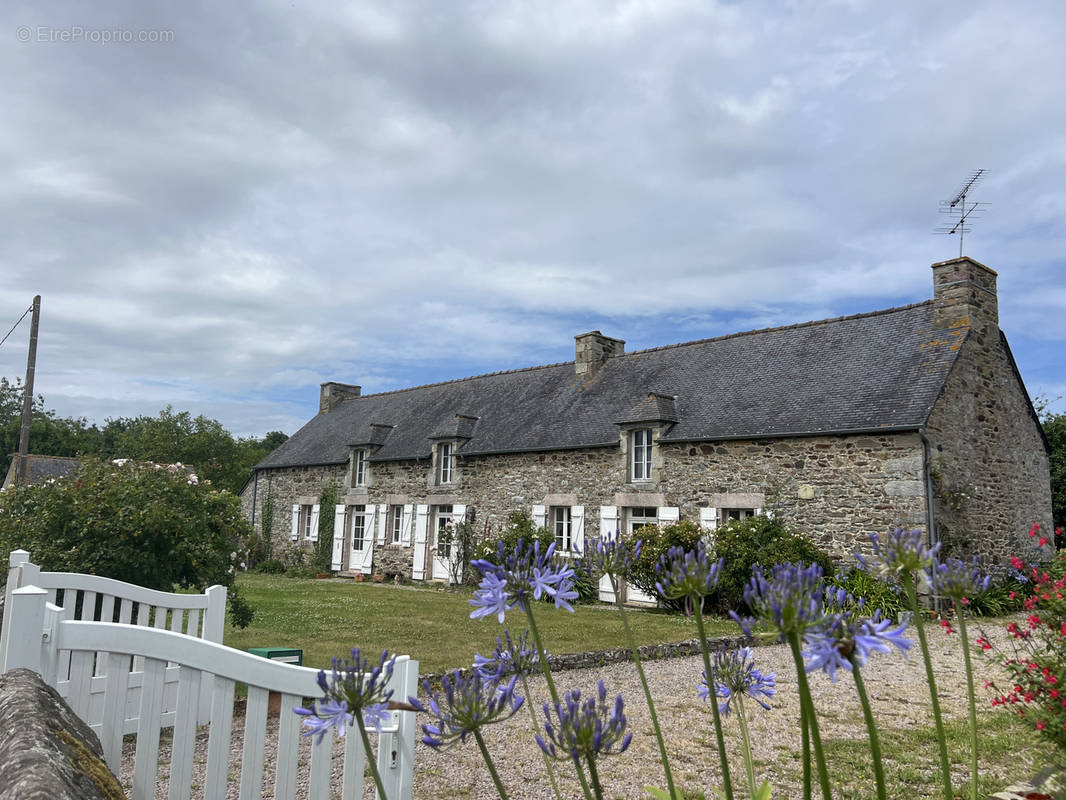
[958,206]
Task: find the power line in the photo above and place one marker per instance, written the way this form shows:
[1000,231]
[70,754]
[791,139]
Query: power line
[24,313]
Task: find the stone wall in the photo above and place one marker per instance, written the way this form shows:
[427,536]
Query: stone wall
[46,752]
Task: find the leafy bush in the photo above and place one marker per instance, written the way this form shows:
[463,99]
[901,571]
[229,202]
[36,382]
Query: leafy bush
[272,566]
[757,540]
[1005,595]
[241,613]
[519,527]
[655,542]
[141,523]
[874,592]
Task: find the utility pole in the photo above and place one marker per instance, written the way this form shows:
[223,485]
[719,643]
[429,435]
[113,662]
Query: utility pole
[27,397]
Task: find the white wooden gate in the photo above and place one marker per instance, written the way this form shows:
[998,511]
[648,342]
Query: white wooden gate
[91,598]
[39,633]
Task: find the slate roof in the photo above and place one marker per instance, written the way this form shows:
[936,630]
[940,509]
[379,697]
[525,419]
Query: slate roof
[42,468]
[878,371]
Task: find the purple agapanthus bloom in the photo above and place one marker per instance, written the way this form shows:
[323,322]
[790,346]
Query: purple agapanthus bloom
[516,576]
[351,688]
[584,729]
[609,554]
[899,554]
[846,640]
[515,657]
[466,703]
[957,580]
[788,599]
[734,674]
[687,573]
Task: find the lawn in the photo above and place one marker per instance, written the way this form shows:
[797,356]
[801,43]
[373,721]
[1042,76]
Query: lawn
[327,618]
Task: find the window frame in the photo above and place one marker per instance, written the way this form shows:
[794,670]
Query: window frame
[643,517]
[562,522]
[396,525]
[640,446]
[445,463]
[441,518]
[738,513]
[304,522]
[359,470]
[357,514]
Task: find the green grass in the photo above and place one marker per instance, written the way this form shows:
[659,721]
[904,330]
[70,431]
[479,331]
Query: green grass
[1009,750]
[328,618]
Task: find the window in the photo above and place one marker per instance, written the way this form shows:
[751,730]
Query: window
[736,513]
[562,524]
[358,517]
[442,541]
[397,525]
[641,461]
[637,518]
[359,474]
[445,466]
[305,521]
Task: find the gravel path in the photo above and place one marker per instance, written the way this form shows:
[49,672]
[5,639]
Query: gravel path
[897,690]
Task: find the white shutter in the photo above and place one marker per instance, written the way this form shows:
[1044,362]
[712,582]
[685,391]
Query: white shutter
[295,522]
[608,527]
[708,518]
[368,538]
[337,557]
[418,566]
[669,515]
[540,516]
[314,522]
[383,518]
[757,511]
[459,514]
[577,529]
[405,525]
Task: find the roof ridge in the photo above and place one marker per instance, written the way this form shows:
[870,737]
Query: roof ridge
[461,380]
[793,326]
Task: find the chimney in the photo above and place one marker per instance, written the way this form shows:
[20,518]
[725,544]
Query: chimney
[332,393]
[591,352]
[964,296]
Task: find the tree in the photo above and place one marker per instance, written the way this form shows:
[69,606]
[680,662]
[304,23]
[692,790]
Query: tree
[141,523]
[1055,431]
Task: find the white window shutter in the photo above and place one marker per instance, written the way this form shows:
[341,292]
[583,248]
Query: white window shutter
[459,514]
[418,566]
[540,516]
[314,522]
[608,520]
[383,515]
[669,515]
[337,557]
[757,511]
[577,528]
[405,525]
[295,522]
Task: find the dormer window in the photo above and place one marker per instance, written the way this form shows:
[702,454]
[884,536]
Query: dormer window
[640,461]
[359,471]
[445,462]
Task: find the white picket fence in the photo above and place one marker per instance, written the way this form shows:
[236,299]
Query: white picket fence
[93,598]
[42,636]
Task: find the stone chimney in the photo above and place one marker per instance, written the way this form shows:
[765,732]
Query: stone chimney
[964,296]
[591,352]
[332,393]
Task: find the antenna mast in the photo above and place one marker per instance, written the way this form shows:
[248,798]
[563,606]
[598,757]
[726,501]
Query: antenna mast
[957,206]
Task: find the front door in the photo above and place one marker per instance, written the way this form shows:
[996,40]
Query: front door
[442,548]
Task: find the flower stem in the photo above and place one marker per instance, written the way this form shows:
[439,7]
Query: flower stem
[973,706]
[727,784]
[812,719]
[806,752]
[536,729]
[595,778]
[747,743]
[489,764]
[546,669]
[644,683]
[945,770]
[875,742]
[370,760]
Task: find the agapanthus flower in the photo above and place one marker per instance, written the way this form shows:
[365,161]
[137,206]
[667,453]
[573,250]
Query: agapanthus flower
[466,703]
[513,657]
[789,599]
[609,554]
[352,687]
[735,674]
[687,573]
[957,580]
[517,575]
[584,729]
[899,554]
[845,640]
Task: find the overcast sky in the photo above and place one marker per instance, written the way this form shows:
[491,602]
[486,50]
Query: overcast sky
[227,204]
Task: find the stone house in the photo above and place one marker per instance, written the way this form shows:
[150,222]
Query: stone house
[913,416]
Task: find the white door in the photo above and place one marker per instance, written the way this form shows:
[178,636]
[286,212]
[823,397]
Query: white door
[442,550]
[362,538]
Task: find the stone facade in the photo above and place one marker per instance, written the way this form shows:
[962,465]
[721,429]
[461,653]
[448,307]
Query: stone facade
[978,465]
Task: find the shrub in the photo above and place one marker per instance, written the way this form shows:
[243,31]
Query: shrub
[757,540]
[519,527]
[1005,595]
[271,566]
[141,523]
[874,592]
[655,542]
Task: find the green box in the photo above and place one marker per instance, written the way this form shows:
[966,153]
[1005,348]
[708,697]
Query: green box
[286,655]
